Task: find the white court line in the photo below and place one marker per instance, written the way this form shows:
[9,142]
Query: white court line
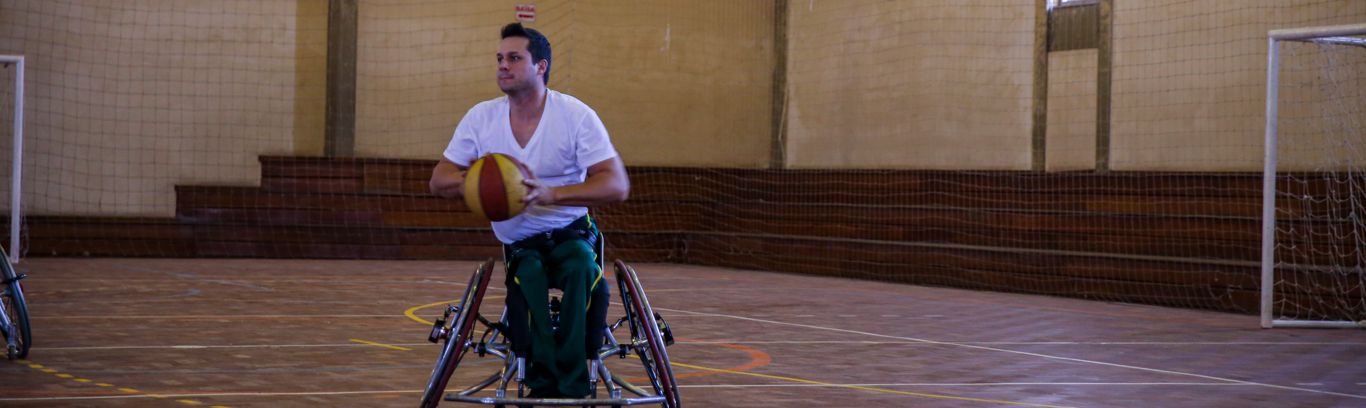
[192,346]
[225,394]
[1032,384]
[1049,343]
[273,394]
[188,276]
[871,343]
[85,317]
[1078,360]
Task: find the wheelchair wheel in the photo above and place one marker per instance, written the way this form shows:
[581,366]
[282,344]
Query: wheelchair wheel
[644,328]
[16,308]
[458,335]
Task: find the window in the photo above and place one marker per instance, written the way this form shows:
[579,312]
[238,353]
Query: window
[1052,4]
[1073,24]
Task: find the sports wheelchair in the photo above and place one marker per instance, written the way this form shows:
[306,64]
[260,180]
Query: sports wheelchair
[650,334]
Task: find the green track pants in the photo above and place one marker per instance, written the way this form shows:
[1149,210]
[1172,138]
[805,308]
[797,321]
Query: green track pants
[557,358]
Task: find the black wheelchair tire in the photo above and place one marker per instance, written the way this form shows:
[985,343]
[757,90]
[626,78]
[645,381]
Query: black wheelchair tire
[461,326]
[16,307]
[640,316]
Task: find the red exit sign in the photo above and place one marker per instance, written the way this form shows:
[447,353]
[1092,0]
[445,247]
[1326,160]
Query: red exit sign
[526,12]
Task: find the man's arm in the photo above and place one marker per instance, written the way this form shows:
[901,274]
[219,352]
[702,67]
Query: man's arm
[448,179]
[606,184]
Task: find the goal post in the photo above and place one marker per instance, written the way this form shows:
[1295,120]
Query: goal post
[16,177]
[1319,177]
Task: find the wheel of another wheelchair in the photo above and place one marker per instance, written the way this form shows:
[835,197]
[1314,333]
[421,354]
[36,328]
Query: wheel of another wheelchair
[16,308]
[643,327]
[461,326]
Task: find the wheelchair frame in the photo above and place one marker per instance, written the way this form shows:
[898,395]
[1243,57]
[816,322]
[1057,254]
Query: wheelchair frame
[650,336]
[14,321]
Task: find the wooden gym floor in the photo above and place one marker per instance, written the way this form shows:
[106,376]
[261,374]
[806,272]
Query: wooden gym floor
[304,333]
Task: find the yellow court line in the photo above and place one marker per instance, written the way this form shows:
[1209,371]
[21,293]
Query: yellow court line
[868,388]
[127,390]
[410,314]
[382,345]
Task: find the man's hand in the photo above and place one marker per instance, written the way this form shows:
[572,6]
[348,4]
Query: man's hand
[538,193]
[606,183]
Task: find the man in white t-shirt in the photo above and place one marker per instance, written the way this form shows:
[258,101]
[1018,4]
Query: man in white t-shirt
[573,166]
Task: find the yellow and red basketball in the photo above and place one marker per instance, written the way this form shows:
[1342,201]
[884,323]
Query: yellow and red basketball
[493,187]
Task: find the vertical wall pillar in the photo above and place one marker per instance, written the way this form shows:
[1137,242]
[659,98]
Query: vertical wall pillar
[340,134]
[777,158]
[1104,65]
[1039,147]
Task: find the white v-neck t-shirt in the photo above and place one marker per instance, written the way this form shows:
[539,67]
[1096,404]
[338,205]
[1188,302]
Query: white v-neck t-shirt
[569,139]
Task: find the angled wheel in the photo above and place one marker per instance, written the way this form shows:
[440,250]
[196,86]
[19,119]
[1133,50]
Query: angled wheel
[645,332]
[457,335]
[15,308]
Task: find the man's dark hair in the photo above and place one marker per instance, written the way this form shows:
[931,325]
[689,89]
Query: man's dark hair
[537,44]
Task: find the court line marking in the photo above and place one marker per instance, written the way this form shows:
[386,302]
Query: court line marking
[83,380]
[858,387]
[84,317]
[192,347]
[757,357]
[1077,360]
[1060,343]
[1006,384]
[289,393]
[192,292]
[187,276]
[220,394]
[719,385]
[382,345]
[424,344]
[760,357]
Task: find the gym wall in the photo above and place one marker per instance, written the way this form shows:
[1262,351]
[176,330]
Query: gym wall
[126,99]
[917,84]
[676,83]
[1190,80]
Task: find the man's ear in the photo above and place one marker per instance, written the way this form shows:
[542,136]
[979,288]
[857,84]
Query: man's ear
[542,66]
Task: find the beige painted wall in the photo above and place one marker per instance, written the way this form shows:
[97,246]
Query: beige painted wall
[1190,79]
[1071,111]
[126,99]
[918,84]
[676,83]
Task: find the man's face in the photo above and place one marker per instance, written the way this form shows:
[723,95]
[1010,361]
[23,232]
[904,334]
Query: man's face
[516,72]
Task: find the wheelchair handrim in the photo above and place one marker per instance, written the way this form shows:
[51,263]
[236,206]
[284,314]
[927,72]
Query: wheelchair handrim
[463,324]
[663,370]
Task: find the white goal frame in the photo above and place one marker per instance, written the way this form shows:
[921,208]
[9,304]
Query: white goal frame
[1334,35]
[17,176]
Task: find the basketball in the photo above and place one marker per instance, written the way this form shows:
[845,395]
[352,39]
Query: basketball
[493,187]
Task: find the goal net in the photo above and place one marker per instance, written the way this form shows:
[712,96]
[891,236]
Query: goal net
[1315,187]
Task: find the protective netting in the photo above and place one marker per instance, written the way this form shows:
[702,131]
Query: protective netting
[128,99]
[888,140]
[1321,186]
